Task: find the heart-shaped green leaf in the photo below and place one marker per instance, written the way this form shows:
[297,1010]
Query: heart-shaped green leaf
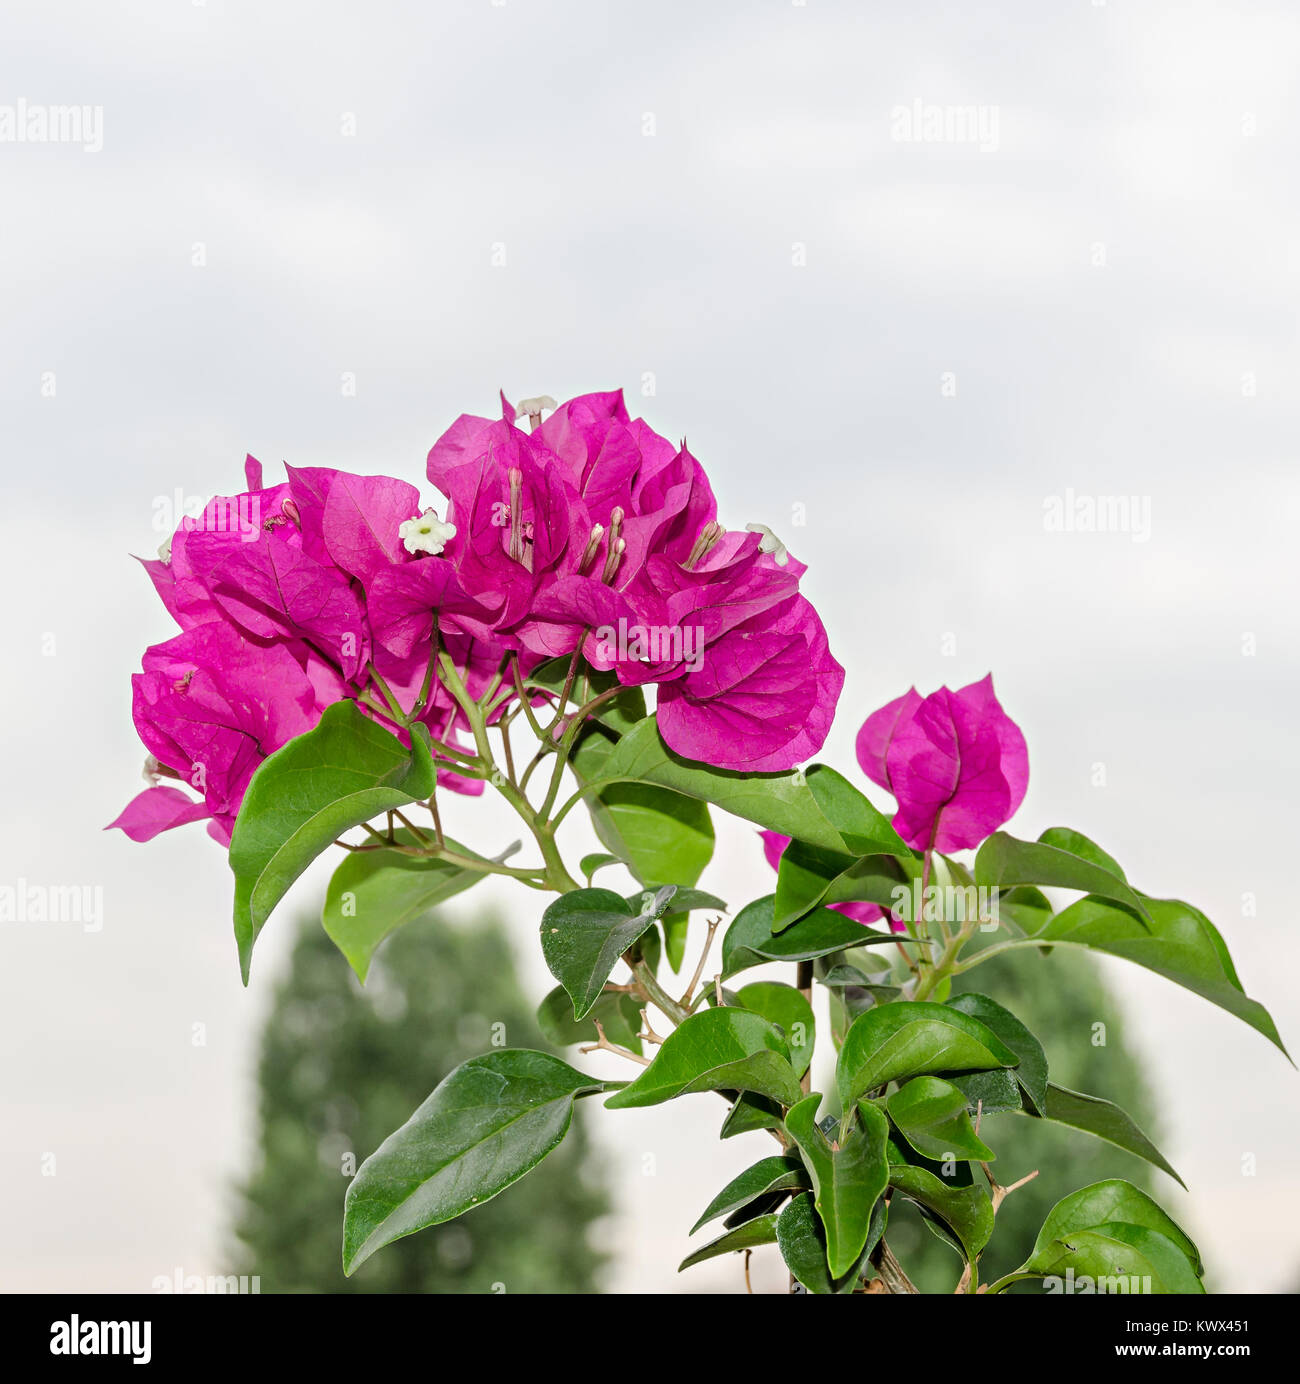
[661,835]
[749,941]
[786,1007]
[716,1050]
[965,1211]
[750,1113]
[801,1236]
[760,1231]
[485,1125]
[809,875]
[1178,942]
[343,772]
[1031,1073]
[930,1114]
[1003,861]
[373,893]
[812,806]
[778,1173]
[1067,839]
[992,1093]
[585,932]
[618,1014]
[848,1175]
[1103,1203]
[1104,1119]
[597,860]
[1119,1258]
[914,1038]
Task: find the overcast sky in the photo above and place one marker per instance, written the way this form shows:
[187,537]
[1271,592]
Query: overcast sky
[897,351]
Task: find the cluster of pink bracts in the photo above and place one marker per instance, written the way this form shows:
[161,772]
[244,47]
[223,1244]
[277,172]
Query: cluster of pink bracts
[956,763]
[294,596]
[587,529]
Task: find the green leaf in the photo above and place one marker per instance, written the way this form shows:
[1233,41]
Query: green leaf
[931,1115]
[653,902]
[786,1007]
[584,933]
[1031,1074]
[619,1015]
[750,1113]
[778,1173]
[676,928]
[1067,839]
[749,940]
[485,1125]
[1180,944]
[688,900]
[1023,910]
[1004,861]
[964,1210]
[848,1176]
[992,1093]
[818,806]
[663,836]
[801,1235]
[373,893]
[1100,1204]
[343,772]
[716,1050]
[1107,1121]
[914,1038]
[1120,1258]
[597,860]
[809,875]
[750,1235]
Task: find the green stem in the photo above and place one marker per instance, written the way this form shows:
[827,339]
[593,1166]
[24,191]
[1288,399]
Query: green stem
[1006,1281]
[656,992]
[557,877]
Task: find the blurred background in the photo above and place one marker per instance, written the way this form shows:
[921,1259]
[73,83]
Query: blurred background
[919,283]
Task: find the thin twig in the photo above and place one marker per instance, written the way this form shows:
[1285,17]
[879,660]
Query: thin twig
[892,1271]
[714,924]
[437,819]
[604,1045]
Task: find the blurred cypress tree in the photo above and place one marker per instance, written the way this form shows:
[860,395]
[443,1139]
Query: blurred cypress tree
[1060,998]
[342,1066]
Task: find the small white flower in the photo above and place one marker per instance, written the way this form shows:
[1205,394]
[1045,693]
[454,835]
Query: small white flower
[535,406]
[770,543]
[427,534]
[151,768]
[165,550]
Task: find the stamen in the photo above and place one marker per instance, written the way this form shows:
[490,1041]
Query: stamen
[709,535]
[593,544]
[612,559]
[616,546]
[516,514]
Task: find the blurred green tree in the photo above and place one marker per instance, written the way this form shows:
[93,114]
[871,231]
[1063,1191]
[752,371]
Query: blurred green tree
[342,1066]
[1063,1000]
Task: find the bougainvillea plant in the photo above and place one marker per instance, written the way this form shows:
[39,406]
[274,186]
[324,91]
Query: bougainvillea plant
[349,657]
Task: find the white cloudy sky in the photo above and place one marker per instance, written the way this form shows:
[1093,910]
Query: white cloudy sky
[1113,288]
